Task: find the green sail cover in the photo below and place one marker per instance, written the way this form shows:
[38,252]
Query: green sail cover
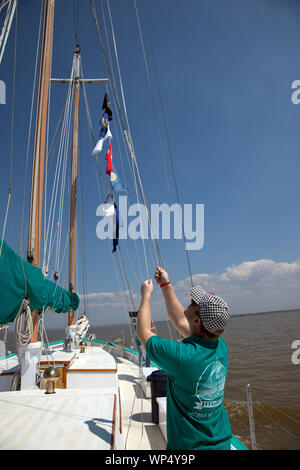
[41,292]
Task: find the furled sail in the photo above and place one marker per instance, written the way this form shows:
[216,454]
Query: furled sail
[20,279]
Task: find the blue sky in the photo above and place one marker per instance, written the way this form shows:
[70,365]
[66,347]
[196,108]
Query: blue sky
[225,73]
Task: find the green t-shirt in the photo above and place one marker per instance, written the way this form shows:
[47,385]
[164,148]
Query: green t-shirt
[196,369]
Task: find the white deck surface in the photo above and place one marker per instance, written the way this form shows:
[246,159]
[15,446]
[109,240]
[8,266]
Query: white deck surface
[58,355]
[68,419]
[93,358]
[136,411]
[80,418]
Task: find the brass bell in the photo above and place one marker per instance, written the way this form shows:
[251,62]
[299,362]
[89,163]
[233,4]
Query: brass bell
[83,345]
[51,376]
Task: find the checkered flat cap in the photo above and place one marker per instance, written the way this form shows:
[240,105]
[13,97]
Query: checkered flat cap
[213,310]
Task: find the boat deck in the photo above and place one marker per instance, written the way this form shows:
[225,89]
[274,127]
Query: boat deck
[101,405]
[68,419]
[139,432]
[112,415]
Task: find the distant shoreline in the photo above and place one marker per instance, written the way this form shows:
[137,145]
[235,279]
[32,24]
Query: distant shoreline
[238,315]
[266,313]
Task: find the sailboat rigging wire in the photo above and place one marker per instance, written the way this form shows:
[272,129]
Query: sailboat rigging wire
[135,169]
[153,102]
[61,162]
[5,221]
[30,123]
[123,273]
[10,198]
[164,119]
[91,132]
[82,235]
[64,170]
[125,291]
[127,129]
[46,172]
[13,102]
[124,122]
[76,21]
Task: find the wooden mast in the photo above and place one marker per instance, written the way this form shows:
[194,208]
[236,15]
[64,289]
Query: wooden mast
[73,205]
[76,81]
[37,184]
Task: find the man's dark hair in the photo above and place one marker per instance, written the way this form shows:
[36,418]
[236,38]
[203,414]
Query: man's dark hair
[208,334]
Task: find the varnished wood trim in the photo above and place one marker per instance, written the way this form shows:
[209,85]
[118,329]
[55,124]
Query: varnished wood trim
[65,376]
[92,370]
[113,426]
[62,363]
[120,411]
[7,373]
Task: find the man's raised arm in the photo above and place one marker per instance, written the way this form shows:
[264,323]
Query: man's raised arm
[174,308]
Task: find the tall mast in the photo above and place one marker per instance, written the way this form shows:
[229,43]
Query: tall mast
[76,81]
[72,242]
[36,201]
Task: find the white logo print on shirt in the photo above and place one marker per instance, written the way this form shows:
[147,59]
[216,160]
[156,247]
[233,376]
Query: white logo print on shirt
[210,389]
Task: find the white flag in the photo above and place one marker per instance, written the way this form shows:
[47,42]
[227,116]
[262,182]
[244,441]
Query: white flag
[99,144]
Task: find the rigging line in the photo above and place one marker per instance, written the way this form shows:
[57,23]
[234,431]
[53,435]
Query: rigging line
[61,162]
[30,122]
[92,5]
[5,221]
[273,436]
[153,102]
[110,61]
[62,193]
[13,102]
[18,244]
[131,168]
[76,21]
[60,267]
[88,114]
[57,171]
[52,146]
[82,234]
[153,237]
[131,264]
[122,275]
[167,133]
[125,296]
[282,412]
[279,425]
[10,199]
[123,272]
[134,163]
[127,133]
[91,132]
[125,291]
[46,168]
[114,84]
[125,126]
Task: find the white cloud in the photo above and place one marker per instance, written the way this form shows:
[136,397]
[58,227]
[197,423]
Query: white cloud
[253,286]
[99,296]
[249,287]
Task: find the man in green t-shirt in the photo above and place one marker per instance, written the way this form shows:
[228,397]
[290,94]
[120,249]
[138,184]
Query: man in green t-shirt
[196,367]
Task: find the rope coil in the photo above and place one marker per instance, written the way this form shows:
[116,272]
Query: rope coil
[23,337]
